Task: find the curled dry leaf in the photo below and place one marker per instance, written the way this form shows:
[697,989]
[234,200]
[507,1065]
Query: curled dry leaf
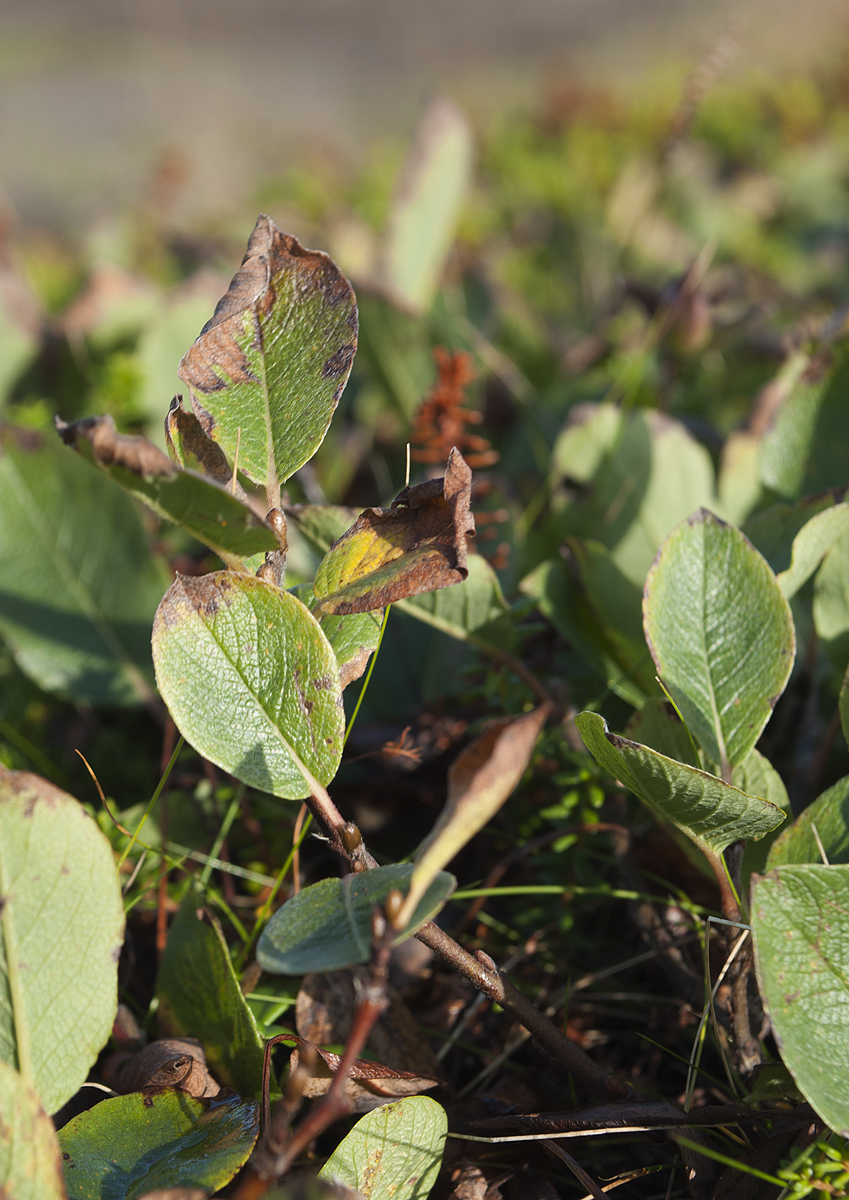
[324,1013]
[193,449]
[479,781]
[418,544]
[369,1084]
[267,370]
[166,1062]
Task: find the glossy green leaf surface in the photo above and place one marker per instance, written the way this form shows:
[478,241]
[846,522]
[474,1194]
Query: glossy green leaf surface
[393,1153]
[328,926]
[268,368]
[277,720]
[426,206]
[713,813]
[720,632]
[800,926]
[78,586]
[843,705]
[829,815]
[199,996]
[61,929]
[131,1145]
[204,508]
[30,1165]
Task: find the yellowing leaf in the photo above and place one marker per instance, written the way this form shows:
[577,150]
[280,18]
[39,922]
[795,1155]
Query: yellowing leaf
[416,545]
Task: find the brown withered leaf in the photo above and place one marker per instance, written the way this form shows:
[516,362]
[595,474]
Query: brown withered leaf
[418,544]
[203,507]
[325,1008]
[369,1084]
[176,1193]
[190,446]
[470,1183]
[166,1062]
[479,781]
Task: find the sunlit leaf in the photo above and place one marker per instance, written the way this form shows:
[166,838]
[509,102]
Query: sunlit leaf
[277,720]
[393,1153]
[640,473]
[61,928]
[30,1163]
[126,1147]
[417,545]
[479,781]
[720,632]
[713,813]
[829,816]
[329,925]
[204,508]
[426,206]
[268,368]
[800,920]
[354,638]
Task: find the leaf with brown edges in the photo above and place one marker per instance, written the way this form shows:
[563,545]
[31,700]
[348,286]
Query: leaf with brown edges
[418,544]
[268,368]
[203,507]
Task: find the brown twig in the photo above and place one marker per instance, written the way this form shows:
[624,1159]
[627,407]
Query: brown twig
[279,1148]
[481,971]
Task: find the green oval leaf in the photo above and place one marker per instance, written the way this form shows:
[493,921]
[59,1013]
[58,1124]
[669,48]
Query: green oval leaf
[800,925]
[643,473]
[354,638]
[78,587]
[426,206]
[262,657]
[267,370]
[205,508]
[126,1147]
[831,601]
[30,1166]
[328,926]
[598,611]
[61,927]
[199,996]
[720,632]
[714,814]
[829,814]
[393,1153]
[811,544]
